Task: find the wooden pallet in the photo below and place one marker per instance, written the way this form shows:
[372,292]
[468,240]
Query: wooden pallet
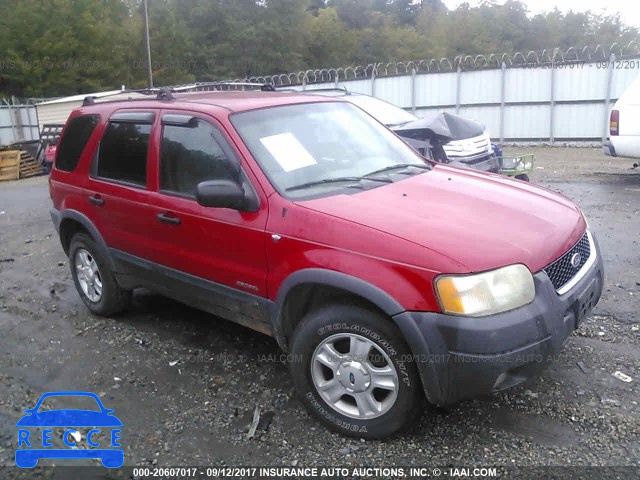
[29,166]
[9,165]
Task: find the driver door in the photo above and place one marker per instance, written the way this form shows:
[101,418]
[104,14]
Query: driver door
[214,254]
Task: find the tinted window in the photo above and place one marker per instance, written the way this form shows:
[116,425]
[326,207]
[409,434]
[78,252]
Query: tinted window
[74,140]
[316,143]
[190,155]
[123,152]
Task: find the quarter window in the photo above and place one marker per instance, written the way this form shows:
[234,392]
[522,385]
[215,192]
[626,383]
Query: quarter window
[123,152]
[74,140]
[190,154]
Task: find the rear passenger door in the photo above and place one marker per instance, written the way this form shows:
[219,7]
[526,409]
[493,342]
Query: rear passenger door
[117,189]
[223,246]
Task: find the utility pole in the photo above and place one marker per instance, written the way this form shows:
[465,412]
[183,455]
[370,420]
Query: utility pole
[147,43]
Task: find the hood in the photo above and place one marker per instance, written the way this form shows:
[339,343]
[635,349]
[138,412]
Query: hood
[441,127]
[481,221]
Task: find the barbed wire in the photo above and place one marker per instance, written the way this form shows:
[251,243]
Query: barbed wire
[445,64]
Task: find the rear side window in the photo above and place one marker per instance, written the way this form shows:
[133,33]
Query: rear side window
[74,140]
[190,154]
[123,152]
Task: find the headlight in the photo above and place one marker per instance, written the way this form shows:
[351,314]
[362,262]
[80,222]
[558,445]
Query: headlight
[486,293]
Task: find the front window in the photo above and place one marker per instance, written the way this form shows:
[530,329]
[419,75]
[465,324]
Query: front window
[319,149]
[189,155]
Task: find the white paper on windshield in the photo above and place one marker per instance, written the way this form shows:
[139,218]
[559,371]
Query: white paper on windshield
[288,151]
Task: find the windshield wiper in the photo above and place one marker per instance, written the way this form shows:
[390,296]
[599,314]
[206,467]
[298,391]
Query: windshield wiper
[398,165]
[336,180]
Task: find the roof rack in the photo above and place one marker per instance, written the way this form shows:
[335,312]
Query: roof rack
[165,93]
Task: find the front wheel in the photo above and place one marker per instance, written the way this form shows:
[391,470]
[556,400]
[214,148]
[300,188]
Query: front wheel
[354,372]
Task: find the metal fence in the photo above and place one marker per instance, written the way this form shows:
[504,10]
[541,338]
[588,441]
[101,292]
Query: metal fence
[551,95]
[18,123]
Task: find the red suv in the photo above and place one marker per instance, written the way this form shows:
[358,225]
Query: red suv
[385,277]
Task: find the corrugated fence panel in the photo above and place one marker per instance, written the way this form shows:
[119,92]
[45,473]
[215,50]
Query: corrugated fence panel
[358,86]
[622,78]
[579,121]
[18,123]
[427,112]
[319,86]
[396,90]
[480,86]
[6,132]
[435,89]
[489,116]
[526,122]
[586,83]
[527,92]
[528,85]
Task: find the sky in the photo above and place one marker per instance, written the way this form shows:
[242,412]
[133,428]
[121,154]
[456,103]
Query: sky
[629,10]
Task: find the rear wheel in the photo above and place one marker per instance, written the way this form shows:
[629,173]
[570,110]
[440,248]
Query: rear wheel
[94,279]
[354,372]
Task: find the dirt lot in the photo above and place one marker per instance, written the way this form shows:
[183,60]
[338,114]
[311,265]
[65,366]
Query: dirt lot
[185,384]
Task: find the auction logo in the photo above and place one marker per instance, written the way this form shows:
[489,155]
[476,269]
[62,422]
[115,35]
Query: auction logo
[102,438]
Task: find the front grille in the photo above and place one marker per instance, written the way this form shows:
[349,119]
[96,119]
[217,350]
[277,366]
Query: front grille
[562,271]
[467,147]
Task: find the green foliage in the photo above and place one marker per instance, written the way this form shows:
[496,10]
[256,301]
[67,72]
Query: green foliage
[61,47]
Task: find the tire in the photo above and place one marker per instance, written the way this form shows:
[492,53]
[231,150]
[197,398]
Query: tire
[347,332]
[523,176]
[109,298]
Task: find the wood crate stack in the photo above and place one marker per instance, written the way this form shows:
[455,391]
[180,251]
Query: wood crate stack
[9,165]
[29,166]
[15,164]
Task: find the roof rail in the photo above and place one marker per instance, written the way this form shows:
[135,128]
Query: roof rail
[220,85]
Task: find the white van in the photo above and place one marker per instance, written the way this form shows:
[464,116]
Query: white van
[624,124]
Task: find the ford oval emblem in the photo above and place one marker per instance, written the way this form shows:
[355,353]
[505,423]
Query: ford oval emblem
[576,258]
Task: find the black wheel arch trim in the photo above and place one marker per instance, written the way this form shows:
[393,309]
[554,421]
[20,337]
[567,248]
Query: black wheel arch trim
[59,217]
[330,278]
[401,318]
[431,383]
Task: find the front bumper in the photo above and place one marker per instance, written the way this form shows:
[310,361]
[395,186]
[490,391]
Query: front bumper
[462,357]
[485,162]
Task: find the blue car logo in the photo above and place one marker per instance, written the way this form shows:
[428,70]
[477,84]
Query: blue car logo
[32,447]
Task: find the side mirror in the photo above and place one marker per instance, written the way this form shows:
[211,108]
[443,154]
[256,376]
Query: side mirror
[221,194]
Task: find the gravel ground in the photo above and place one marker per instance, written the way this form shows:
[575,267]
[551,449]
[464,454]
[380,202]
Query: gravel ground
[186,384]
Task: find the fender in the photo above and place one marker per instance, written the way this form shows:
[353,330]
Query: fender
[331,278]
[58,217]
[402,319]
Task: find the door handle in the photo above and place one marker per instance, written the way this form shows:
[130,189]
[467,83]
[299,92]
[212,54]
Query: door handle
[96,199]
[165,218]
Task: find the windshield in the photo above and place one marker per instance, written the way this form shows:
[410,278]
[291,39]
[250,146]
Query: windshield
[382,111]
[323,148]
